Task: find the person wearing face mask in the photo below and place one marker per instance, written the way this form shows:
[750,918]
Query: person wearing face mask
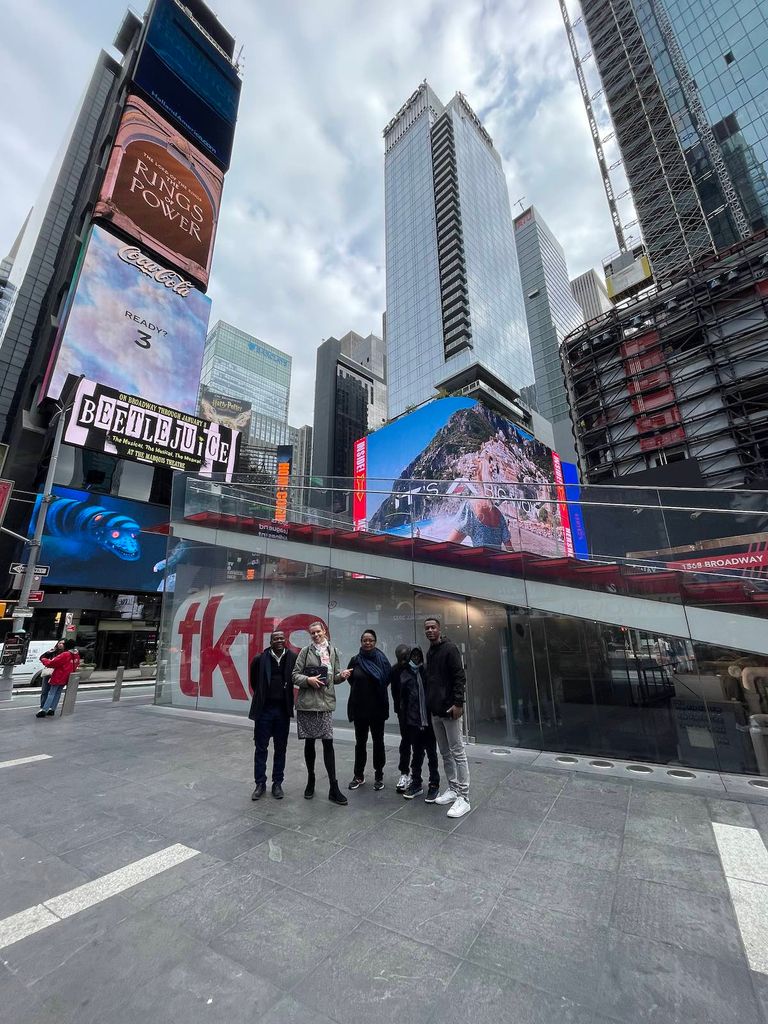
[316,673]
[271,711]
[414,714]
[368,707]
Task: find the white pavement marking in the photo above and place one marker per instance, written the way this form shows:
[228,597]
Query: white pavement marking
[742,852]
[25,760]
[35,919]
[745,862]
[87,700]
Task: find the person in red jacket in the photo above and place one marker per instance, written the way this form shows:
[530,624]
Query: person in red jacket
[63,665]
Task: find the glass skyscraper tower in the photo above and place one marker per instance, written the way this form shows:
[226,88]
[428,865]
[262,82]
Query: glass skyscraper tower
[455,312]
[686,83]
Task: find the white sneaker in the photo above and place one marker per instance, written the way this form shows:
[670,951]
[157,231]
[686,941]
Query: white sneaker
[447,797]
[403,783]
[460,808]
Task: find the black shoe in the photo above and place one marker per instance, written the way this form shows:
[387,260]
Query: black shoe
[50,711]
[40,714]
[259,791]
[277,791]
[378,784]
[336,796]
[432,794]
[309,790]
[356,783]
[415,789]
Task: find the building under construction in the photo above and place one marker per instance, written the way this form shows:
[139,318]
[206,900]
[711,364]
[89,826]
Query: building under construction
[679,374]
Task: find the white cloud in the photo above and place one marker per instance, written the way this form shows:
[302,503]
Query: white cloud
[300,249]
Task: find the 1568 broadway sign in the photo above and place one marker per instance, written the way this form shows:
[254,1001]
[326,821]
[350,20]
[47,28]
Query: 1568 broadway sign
[132,428]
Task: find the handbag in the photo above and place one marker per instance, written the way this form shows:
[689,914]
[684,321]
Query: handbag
[46,671]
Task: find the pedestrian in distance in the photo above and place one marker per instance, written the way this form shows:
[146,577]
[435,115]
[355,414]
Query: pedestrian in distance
[410,699]
[446,686]
[63,665]
[368,707]
[316,673]
[402,654]
[271,675]
[43,674]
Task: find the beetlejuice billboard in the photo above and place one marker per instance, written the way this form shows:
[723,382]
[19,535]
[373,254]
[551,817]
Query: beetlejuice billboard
[96,540]
[132,325]
[454,470]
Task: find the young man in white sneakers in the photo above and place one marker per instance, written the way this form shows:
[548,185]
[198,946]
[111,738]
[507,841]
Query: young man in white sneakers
[446,686]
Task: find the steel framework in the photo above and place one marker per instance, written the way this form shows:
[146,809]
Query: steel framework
[682,373]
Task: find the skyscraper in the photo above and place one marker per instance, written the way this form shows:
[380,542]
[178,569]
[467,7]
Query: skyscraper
[455,313]
[240,365]
[552,313]
[683,80]
[589,291]
[350,400]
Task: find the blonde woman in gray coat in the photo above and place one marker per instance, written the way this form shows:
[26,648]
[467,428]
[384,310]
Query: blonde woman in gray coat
[316,673]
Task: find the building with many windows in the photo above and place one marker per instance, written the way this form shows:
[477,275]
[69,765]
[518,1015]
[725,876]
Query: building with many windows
[350,400]
[455,313]
[552,313]
[685,82]
[589,291]
[240,365]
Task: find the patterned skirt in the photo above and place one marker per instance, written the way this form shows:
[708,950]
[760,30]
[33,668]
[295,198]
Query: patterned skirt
[314,725]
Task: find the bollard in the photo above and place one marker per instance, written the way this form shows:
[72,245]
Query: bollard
[118,683]
[70,694]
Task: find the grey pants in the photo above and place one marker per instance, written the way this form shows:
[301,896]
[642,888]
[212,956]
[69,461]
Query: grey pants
[451,745]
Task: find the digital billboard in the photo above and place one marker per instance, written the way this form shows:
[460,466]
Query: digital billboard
[133,325]
[455,470]
[230,412]
[182,71]
[162,191]
[97,541]
[129,427]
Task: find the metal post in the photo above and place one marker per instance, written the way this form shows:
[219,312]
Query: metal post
[118,683]
[70,694]
[6,680]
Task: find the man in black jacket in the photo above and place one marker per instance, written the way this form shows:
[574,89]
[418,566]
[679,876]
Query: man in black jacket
[271,711]
[446,685]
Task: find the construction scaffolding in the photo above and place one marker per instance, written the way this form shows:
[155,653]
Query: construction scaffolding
[680,374]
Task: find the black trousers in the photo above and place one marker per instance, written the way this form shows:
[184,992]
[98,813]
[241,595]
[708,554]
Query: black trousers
[274,723]
[376,728]
[404,764]
[423,742]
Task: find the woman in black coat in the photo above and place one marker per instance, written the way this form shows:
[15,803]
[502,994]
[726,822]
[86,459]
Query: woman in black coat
[368,707]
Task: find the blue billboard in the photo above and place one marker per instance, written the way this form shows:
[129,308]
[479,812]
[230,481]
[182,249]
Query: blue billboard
[184,73]
[100,542]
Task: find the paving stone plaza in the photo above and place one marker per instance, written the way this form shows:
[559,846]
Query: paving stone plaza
[140,883]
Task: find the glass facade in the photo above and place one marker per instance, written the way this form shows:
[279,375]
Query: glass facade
[416,350]
[552,313]
[239,365]
[648,649]
[724,43]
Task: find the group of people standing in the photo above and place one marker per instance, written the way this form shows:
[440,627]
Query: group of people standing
[427,693]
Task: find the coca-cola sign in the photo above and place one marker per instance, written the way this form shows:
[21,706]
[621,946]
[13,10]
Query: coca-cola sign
[133,325]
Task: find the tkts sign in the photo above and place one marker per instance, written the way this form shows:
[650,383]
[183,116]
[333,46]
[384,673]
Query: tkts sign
[132,428]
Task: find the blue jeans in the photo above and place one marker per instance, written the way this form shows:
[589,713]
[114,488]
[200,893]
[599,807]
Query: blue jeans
[274,724]
[54,693]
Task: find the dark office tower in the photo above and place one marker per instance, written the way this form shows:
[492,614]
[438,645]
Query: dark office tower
[350,400]
[552,313]
[683,80]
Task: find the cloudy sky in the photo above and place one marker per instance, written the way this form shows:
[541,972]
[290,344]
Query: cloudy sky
[300,249]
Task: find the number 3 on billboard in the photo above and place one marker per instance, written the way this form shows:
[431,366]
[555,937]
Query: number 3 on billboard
[144,340]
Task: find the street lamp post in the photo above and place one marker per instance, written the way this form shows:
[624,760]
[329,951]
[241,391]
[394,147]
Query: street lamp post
[6,679]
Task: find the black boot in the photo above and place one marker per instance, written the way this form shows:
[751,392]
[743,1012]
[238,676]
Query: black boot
[309,791]
[259,791]
[335,795]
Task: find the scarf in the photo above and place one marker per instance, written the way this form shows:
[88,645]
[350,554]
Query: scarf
[376,664]
[323,651]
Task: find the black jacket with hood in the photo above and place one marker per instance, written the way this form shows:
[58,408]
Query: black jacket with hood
[446,680]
